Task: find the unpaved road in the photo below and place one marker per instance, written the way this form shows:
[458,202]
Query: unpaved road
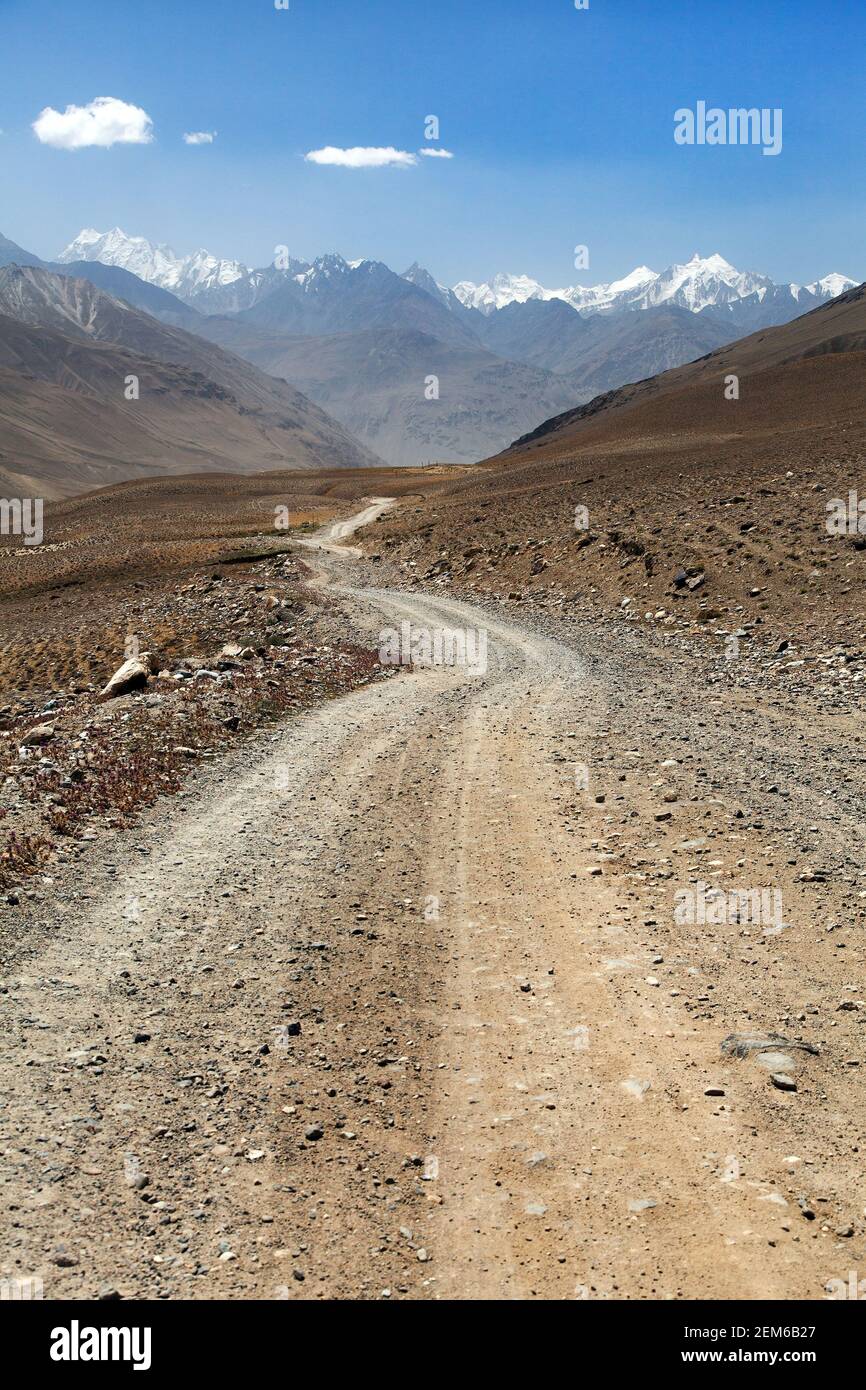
[332,537]
[413,1018]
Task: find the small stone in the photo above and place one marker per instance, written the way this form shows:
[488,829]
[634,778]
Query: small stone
[42,733]
[775,1061]
[783,1082]
[636,1088]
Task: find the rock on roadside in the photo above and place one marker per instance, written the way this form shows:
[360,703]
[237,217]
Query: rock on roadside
[132,675]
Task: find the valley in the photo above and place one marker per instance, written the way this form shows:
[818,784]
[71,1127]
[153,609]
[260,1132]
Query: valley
[429,882]
[432,676]
[362,342]
[393,1000]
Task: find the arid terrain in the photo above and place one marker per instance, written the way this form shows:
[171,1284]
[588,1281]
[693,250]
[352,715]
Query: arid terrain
[331,969]
[432,675]
[390,997]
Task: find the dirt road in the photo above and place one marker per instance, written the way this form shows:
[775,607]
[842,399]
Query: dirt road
[382,1008]
[333,537]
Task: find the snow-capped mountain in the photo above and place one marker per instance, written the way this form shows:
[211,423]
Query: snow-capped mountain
[702,283]
[599,298]
[183,275]
[334,295]
[830,285]
[501,290]
[327,271]
[418,276]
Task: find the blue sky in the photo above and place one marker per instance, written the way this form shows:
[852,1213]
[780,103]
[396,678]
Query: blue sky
[560,121]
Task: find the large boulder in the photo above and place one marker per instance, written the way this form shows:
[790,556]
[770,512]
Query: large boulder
[132,675]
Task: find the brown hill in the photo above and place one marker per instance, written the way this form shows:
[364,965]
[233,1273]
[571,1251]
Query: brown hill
[66,350]
[771,394]
[700,509]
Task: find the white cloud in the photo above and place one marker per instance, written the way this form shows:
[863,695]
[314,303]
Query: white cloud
[199,137]
[437,154]
[105,121]
[361,157]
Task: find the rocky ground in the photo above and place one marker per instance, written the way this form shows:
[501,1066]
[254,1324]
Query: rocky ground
[248,644]
[729,558]
[398,997]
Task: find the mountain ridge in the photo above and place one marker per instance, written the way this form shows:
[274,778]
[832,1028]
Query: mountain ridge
[67,352]
[701,283]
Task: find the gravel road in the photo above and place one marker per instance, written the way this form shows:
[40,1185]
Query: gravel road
[393,1003]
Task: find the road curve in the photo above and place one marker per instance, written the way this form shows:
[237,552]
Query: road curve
[384,1052]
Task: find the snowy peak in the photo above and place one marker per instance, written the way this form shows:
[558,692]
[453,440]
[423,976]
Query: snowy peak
[327,267]
[328,271]
[636,280]
[701,284]
[830,285]
[417,275]
[422,279]
[498,292]
[704,282]
[184,276]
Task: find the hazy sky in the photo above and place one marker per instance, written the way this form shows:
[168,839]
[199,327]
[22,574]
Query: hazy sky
[560,121]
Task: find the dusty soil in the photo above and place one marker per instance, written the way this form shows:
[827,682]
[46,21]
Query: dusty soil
[391,1001]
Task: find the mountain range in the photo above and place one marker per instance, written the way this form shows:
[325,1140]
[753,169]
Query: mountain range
[185,276]
[702,507]
[412,370]
[68,351]
[699,285]
[516,352]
